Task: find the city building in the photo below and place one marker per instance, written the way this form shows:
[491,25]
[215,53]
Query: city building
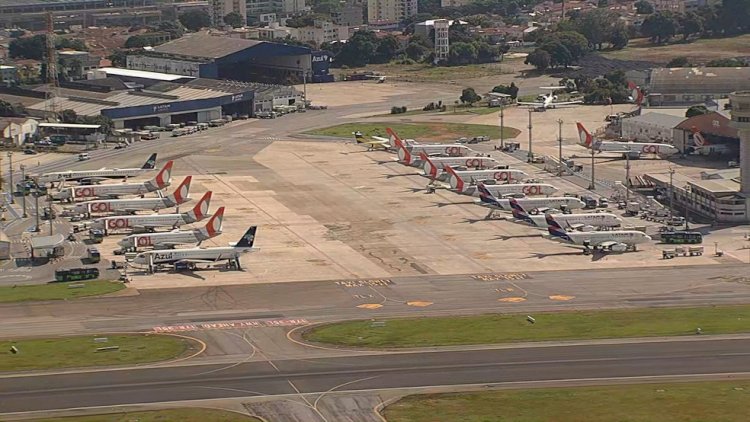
[321,31]
[17,129]
[442,43]
[220,57]
[390,11]
[265,11]
[75,64]
[741,121]
[425,28]
[217,9]
[8,75]
[651,127]
[31,14]
[694,85]
[350,14]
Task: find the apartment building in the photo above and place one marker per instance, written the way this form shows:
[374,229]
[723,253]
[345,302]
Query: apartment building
[379,11]
[219,8]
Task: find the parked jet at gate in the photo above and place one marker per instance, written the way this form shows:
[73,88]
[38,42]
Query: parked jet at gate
[433,166]
[548,100]
[140,223]
[179,196]
[159,182]
[488,200]
[463,180]
[95,176]
[584,221]
[635,149]
[168,240]
[612,241]
[409,154]
[193,256]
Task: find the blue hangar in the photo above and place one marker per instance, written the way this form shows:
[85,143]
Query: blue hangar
[202,55]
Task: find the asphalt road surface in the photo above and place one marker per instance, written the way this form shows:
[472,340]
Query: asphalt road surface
[379,371]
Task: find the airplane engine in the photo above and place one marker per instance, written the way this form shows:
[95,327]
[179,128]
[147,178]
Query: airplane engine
[620,247]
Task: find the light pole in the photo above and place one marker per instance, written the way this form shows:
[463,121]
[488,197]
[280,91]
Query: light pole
[592,185]
[50,217]
[627,178]
[671,192]
[37,229]
[23,191]
[531,154]
[559,148]
[10,177]
[502,127]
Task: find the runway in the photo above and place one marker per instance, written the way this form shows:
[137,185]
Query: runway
[378,371]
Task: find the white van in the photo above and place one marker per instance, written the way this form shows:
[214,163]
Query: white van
[83,156]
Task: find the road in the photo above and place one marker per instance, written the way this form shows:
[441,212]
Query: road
[377,371]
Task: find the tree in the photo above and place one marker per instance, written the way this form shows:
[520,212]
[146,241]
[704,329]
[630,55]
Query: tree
[462,53]
[597,26]
[469,96]
[358,50]
[690,23]
[69,116]
[28,47]
[559,54]
[643,7]
[386,50]
[727,63]
[486,53]
[602,3]
[576,44]
[174,28]
[619,37]
[136,41]
[118,58]
[511,90]
[659,27]
[234,19]
[681,61]
[8,110]
[416,51]
[195,19]
[734,16]
[539,58]
[104,121]
[696,110]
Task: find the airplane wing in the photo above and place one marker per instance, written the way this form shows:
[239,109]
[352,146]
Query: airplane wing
[531,104]
[608,244]
[195,261]
[381,139]
[565,103]
[167,245]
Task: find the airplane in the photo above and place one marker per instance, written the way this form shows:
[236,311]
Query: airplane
[179,196]
[378,142]
[457,179]
[159,182]
[548,100]
[408,152]
[95,176]
[194,256]
[432,166]
[633,149]
[168,240]
[583,221]
[141,223]
[610,241]
[488,200]
[703,147]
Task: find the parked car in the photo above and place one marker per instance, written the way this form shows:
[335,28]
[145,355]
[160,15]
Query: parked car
[29,151]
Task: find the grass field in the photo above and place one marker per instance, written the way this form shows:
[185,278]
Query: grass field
[77,352]
[57,291]
[433,130]
[181,415]
[507,328]
[698,51]
[689,402]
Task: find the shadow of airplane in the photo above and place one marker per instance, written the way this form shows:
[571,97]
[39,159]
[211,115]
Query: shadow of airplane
[445,204]
[518,236]
[391,176]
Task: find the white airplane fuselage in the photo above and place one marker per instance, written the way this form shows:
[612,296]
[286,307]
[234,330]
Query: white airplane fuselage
[91,174]
[467,176]
[532,203]
[528,189]
[641,148]
[113,205]
[98,191]
[142,221]
[589,219]
[594,239]
[167,256]
[435,165]
[159,239]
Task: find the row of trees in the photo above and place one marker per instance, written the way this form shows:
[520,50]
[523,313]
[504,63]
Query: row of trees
[558,49]
[730,17]
[70,116]
[35,47]
[683,61]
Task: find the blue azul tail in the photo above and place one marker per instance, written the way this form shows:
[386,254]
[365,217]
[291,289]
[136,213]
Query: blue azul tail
[485,195]
[555,229]
[518,211]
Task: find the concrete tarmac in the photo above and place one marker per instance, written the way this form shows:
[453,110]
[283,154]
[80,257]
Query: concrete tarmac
[288,378]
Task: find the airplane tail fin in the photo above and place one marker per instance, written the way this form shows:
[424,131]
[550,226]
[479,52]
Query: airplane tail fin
[698,138]
[213,226]
[429,166]
[248,239]
[403,154]
[459,182]
[181,194]
[554,228]
[518,211]
[200,210]
[164,177]
[485,195]
[584,136]
[150,164]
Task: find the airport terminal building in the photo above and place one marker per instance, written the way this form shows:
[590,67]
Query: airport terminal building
[202,55]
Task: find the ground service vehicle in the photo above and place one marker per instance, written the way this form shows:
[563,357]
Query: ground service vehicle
[681,237]
[93,255]
[76,274]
